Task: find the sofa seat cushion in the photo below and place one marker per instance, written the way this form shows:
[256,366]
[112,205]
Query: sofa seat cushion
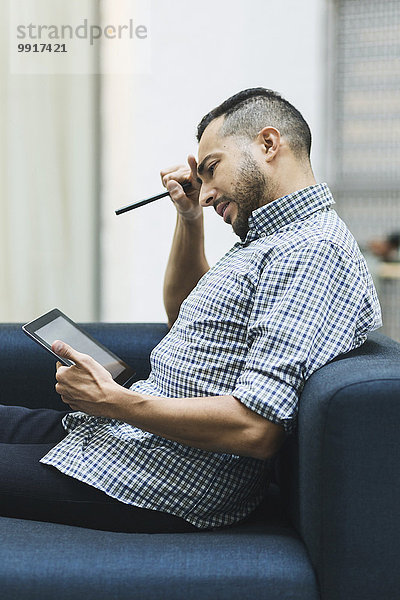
[252,560]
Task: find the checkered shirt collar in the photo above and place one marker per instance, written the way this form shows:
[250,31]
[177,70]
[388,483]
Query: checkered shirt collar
[291,208]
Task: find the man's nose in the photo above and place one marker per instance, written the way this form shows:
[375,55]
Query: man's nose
[206,196]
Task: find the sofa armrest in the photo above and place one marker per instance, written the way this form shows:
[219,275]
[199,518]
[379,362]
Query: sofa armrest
[340,475]
[27,371]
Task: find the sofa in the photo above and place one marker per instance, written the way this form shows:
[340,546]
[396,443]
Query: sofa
[329,527]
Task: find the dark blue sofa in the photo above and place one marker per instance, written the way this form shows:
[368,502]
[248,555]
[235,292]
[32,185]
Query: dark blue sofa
[329,527]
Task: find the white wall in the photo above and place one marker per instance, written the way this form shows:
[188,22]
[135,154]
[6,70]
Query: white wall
[201,54]
[48,202]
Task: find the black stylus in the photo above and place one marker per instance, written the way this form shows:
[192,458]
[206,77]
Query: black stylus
[125,209]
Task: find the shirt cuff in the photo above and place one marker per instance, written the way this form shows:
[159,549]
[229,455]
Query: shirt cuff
[284,415]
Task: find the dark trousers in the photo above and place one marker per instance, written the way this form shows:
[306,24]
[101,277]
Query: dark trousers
[31,490]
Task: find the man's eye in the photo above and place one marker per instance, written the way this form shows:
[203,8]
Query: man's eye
[211,169]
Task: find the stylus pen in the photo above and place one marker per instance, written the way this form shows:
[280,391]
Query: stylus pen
[125,209]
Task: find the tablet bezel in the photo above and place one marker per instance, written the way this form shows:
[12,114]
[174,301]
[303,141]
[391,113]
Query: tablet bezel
[125,378]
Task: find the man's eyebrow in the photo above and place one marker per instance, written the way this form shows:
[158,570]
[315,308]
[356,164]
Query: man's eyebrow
[200,167]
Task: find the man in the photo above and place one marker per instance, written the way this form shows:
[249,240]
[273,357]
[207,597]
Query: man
[189,447]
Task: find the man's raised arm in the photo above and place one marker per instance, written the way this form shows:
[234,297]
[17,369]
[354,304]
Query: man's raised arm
[187,262]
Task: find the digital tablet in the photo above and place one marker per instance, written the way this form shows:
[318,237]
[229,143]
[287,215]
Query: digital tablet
[54,325]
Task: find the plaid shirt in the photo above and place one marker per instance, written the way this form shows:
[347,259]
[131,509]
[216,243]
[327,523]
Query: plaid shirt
[280,304]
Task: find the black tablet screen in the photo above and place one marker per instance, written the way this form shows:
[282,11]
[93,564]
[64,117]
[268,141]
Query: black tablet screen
[60,329]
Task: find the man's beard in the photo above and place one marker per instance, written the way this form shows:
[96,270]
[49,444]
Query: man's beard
[252,190]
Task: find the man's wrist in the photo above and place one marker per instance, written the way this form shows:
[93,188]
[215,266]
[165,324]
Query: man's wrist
[191,217]
[123,403]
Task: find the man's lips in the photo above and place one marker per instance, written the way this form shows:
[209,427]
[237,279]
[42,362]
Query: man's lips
[220,208]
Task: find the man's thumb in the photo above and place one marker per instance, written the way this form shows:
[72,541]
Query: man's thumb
[63,350]
[192,162]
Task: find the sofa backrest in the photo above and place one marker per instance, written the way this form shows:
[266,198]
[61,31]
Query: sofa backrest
[27,371]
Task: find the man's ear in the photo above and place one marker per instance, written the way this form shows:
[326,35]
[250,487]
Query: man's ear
[270,139]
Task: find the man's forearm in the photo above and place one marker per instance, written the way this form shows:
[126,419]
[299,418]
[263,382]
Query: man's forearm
[217,424]
[186,264]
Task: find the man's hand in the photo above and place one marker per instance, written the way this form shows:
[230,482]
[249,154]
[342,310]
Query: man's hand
[187,204]
[87,385]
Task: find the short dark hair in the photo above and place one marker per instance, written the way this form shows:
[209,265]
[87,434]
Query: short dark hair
[248,111]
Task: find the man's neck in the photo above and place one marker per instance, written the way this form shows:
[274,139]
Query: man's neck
[294,184]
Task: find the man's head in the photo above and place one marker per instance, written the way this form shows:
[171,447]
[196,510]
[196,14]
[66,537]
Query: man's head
[253,148]
[248,111]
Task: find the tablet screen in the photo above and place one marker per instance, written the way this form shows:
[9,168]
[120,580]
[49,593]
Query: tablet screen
[60,329]
[54,325]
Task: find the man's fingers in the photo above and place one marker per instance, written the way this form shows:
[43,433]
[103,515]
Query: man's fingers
[186,200]
[68,400]
[65,351]
[168,171]
[178,173]
[174,177]
[175,190]
[181,174]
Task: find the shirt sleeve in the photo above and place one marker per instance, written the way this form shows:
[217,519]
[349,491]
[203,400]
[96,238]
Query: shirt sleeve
[309,307]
